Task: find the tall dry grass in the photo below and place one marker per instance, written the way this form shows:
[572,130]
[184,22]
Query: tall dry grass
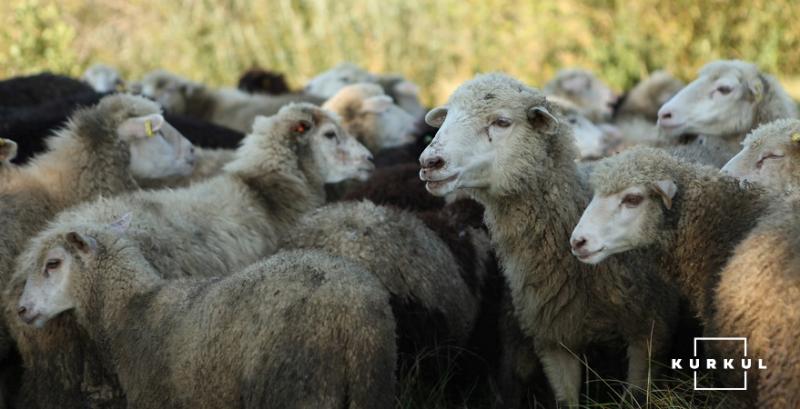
[438,44]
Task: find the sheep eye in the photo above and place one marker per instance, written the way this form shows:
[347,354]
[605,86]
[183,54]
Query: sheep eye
[51,265]
[572,120]
[632,200]
[724,89]
[760,162]
[501,122]
[330,135]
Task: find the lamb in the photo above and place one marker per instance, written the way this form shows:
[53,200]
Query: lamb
[584,89]
[499,141]
[770,156]
[688,217]
[372,117]
[646,98]
[325,339]
[757,297]
[220,225]
[99,152]
[227,107]
[103,78]
[727,100]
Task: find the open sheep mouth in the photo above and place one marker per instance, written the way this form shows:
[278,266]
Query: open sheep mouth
[434,184]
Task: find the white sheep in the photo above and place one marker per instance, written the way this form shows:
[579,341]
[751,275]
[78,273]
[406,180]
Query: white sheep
[404,93]
[585,90]
[372,117]
[103,78]
[770,156]
[727,100]
[592,142]
[500,141]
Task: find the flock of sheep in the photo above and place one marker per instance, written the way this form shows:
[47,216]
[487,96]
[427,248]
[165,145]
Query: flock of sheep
[166,244]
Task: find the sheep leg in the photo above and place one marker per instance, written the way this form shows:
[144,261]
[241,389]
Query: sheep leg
[638,370]
[563,371]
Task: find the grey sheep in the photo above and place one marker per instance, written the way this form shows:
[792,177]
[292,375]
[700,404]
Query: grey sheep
[100,152]
[499,141]
[432,296]
[298,330]
[217,226]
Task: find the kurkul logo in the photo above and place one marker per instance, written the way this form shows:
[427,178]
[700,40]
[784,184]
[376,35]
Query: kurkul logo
[743,363]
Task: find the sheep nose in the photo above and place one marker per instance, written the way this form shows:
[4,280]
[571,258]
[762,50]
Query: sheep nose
[369,157]
[433,163]
[665,115]
[21,310]
[578,243]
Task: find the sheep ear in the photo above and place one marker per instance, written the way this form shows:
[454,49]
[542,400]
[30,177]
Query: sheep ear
[542,120]
[667,190]
[301,127]
[140,127]
[121,225]
[756,86]
[377,104]
[436,116]
[84,244]
[8,149]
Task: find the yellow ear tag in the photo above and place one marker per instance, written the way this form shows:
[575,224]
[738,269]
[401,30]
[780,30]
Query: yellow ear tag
[796,137]
[2,141]
[148,128]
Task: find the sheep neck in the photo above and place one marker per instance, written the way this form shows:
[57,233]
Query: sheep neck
[530,229]
[714,215]
[286,188]
[80,168]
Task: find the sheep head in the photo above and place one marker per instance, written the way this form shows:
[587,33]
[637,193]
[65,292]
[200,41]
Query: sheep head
[593,97]
[770,156]
[372,116]
[311,138]
[328,83]
[492,131]
[635,192]
[722,101]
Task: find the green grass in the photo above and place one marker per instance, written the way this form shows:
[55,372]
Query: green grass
[437,44]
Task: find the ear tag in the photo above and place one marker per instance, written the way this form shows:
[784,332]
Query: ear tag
[148,128]
[300,128]
[796,137]
[2,141]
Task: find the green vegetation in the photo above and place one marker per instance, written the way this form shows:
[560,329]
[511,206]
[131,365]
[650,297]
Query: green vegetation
[438,43]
